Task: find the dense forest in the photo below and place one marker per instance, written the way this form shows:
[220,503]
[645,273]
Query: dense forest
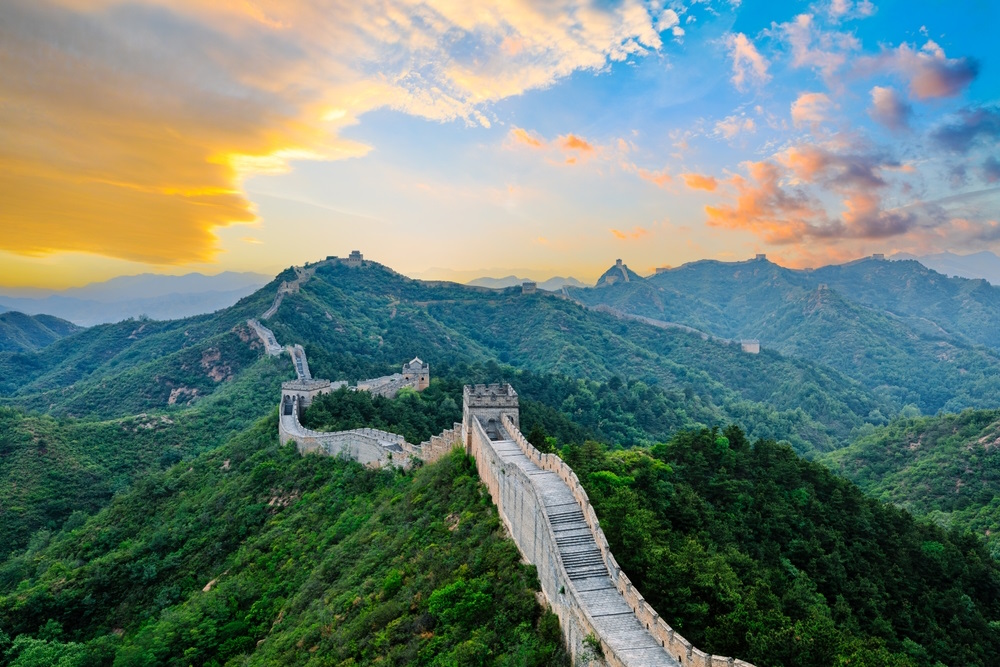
[749,550]
[946,468]
[254,555]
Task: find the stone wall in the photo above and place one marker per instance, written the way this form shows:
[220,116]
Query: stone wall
[431,450]
[369,446]
[523,514]
[676,645]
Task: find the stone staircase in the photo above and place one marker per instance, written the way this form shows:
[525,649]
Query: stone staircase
[614,620]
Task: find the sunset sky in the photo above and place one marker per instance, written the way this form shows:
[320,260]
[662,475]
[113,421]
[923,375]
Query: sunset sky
[451,138]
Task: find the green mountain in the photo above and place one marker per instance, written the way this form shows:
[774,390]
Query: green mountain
[207,543]
[946,468]
[619,273]
[52,467]
[23,333]
[910,335]
[751,551]
[255,555]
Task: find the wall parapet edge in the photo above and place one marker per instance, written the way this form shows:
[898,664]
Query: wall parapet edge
[686,653]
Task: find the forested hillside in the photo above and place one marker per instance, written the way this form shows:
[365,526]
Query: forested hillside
[361,322]
[53,467]
[946,468]
[145,520]
[910,335]
[26,333]
[255,555]
[751,551]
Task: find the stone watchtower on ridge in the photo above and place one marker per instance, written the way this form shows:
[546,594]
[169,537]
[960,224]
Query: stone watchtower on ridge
[488,403]
[418,372]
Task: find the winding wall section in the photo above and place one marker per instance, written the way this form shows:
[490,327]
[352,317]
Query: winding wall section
[542,504]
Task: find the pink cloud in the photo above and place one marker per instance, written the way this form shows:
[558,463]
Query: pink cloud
[889,108]
[929,72]
[811,108]
[660,178]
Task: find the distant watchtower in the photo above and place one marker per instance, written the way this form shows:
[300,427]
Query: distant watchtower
[418,372]
[487,403]
[529,287]
[760,257]
[354,259]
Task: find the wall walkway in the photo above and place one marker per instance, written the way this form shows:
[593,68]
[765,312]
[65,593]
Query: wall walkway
[544,507]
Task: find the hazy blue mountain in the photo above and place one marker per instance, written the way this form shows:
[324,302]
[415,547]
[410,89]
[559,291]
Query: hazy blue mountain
[552,284]
[910,334]
[984,264]
[155,296]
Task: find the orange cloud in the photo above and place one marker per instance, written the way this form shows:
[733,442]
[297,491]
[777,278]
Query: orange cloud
[571,142]
[522,136]
[123,138]
[636,233]
[659,178]
[765,208]
[700,182]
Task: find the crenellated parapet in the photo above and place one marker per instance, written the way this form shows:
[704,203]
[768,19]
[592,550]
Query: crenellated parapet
[549,516]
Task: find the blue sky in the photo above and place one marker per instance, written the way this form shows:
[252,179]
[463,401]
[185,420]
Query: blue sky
[452,139]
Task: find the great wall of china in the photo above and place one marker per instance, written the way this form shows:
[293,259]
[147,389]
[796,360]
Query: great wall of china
[539,499]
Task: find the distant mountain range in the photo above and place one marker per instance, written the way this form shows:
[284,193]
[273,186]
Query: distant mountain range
[155,296]
[552,284]
[908,333]
[985,264]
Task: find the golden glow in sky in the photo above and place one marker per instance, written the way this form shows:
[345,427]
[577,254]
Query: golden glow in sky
[179,136]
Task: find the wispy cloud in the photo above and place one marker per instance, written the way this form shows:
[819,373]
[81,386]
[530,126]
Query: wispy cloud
[748,63]
[635,234]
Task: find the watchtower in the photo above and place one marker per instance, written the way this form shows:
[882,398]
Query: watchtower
[354,259]
[418,372]
[488,403]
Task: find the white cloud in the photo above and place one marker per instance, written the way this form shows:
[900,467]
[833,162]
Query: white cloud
[822,50]
[730,126]
[748,63]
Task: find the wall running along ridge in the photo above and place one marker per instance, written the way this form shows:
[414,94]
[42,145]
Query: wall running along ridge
[541,503]
[674,645]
